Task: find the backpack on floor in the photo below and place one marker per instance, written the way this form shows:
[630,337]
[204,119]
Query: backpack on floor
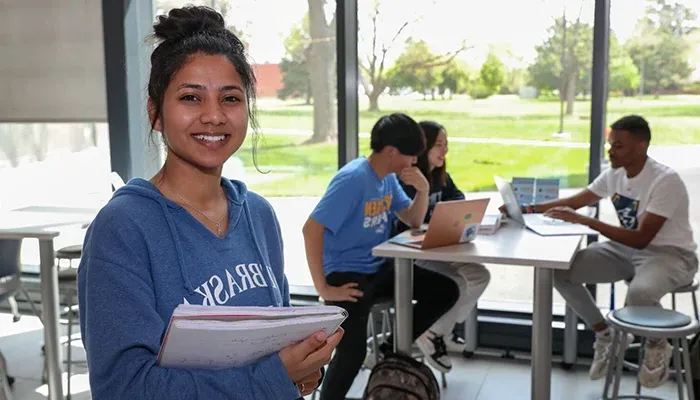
[398,377]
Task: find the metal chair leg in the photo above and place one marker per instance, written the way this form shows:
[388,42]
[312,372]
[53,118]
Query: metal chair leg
[619,356]
[642,343]
[14,309]
[677,366]
[70,339]
[36,311]
[688,374]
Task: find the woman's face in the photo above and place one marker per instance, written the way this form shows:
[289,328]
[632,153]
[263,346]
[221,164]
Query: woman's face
[436,155]
[204,117]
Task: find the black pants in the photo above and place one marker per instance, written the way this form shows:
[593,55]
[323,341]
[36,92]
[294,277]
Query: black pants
[434,293]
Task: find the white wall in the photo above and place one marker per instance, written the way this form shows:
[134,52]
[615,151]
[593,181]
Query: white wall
[51,61]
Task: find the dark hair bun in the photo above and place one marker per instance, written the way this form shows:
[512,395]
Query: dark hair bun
[181,23]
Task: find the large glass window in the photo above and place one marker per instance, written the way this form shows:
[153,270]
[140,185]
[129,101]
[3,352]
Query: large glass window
[293,50]
[512,91]
[655,72]
[53,164]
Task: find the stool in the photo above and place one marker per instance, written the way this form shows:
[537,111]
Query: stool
[69,253]
[386,329]
[690,288]
[650,322]
[385,308]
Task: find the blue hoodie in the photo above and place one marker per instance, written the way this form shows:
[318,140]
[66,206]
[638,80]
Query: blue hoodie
[143,255]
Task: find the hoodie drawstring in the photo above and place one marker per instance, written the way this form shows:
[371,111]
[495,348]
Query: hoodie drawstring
[178,248]
[264,263]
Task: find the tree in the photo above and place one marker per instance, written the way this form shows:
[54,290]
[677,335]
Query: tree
[454,76]
[492,75]
[661,46]
[374,67]
[563,64]
[624,75]
[414,69]
[294,66]
[321,62]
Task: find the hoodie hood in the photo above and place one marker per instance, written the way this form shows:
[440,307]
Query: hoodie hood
[235,191]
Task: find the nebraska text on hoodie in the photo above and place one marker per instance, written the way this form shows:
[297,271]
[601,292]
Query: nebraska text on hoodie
[143,255]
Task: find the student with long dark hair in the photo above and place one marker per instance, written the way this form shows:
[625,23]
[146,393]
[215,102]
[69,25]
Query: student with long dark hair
[188,235]
[471,278]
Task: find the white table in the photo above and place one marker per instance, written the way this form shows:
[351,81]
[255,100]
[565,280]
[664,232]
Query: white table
[510,245]
[42,225]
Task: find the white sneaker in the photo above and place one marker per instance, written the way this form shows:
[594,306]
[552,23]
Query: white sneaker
[602,349]
[434,350]
[656,365]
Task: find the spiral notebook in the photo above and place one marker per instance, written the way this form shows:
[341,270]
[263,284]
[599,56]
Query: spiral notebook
[224,336]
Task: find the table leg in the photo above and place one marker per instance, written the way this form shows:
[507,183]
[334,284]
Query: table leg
[50,317]
[471,331]
[403,299]
[570,337]
[542,335]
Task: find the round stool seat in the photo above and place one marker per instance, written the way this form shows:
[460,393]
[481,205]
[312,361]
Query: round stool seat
[70,252]
[652,322]
[67,275]
[693,286]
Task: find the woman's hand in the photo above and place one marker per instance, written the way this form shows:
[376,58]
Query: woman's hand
[348,292]
[304,359]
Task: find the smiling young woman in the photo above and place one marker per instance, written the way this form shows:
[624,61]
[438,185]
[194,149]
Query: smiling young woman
[188,235]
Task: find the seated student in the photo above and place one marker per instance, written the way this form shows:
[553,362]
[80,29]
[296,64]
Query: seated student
[188,235]
[355,215]
[471,278]
[653,249]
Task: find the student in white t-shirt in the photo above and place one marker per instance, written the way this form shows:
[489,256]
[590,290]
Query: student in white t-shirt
[653,249]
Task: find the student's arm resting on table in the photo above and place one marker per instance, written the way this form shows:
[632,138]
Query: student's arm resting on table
[123,330]
[649,226]
[342,196]
[412,213]
[663,201]
[579,200]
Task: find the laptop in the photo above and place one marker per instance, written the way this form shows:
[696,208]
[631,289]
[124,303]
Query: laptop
[538,223]
[452,222]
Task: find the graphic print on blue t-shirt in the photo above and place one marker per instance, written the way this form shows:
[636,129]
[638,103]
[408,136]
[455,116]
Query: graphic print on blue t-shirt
[626,210]
[377,213]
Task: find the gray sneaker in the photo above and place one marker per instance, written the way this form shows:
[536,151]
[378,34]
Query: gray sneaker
[601,356]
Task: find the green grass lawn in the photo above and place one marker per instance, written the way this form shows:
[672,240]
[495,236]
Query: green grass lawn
[305,170]
[674,119]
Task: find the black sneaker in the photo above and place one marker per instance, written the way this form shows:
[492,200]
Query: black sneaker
[433,348]
[455,344]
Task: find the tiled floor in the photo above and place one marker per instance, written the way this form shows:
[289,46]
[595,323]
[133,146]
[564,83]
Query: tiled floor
[480,378]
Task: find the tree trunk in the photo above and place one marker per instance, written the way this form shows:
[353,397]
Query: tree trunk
[570,93]
[373,97]
[321,68]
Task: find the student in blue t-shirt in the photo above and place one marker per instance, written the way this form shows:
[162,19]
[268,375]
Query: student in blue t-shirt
[356,214]
[188,235]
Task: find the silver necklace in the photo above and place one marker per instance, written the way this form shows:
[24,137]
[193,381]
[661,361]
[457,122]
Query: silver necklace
[219,231]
